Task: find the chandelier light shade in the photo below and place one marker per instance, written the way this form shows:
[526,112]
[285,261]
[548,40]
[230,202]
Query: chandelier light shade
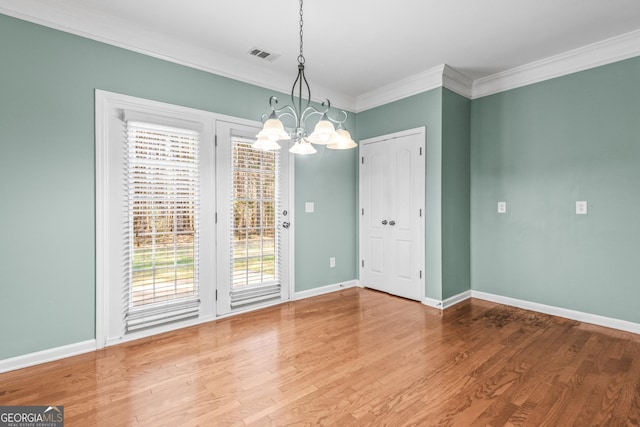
[298,114]
[342,141]
[273,129]
[302,147]
[324,132]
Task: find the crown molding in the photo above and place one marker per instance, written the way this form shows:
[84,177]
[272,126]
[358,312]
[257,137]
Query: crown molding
[594,55]
[440,76]
[457,82]
[591,56]
[114,32]
[404,88]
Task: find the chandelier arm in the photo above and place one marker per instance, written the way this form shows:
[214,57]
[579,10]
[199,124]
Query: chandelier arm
[338,121]
[300,76]
[310,111]
[291,114]
[306,83]
[345,116]
[287,109]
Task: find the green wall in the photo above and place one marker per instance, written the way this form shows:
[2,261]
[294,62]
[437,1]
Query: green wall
[446,117]
[47,177]
[424,109]
[456,194]
[541,148]
[329,179]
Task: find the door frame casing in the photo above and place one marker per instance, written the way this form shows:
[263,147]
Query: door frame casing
[422,238]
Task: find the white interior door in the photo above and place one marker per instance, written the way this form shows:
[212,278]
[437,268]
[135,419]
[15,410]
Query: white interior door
[392,175]
[375,249]
[253,221]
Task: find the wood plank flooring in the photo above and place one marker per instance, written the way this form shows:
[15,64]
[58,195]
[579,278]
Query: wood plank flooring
[354,357]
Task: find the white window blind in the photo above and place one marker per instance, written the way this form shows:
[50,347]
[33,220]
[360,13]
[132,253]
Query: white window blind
[162,180]
[255,243]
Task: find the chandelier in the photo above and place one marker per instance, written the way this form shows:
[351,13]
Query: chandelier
[328,131]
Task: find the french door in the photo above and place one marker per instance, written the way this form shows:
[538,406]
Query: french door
[392,194]
[253,221]
[191,222]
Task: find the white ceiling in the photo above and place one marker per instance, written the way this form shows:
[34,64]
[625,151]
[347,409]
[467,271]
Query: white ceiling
[352,47]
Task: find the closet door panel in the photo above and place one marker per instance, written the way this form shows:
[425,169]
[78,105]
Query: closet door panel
[392,225]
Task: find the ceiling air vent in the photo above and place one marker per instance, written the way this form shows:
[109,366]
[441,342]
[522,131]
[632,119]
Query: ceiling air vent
[259,53]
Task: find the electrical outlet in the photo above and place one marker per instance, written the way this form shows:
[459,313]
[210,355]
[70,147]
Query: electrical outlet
[332,262]
[502,207]
[581,207]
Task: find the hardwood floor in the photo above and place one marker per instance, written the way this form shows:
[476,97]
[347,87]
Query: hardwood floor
[355,357]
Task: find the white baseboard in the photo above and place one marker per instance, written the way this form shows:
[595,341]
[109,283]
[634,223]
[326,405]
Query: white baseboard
[58,353]
[449,302]
[45,356]
[169,327]
[432,303]
[593,319]
[325,289]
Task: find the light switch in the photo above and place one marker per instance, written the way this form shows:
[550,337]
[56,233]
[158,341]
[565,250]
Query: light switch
[308,207]
[502,207]
[581,207]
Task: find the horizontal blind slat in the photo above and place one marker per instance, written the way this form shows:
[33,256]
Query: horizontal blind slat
[255,259]
[153,317]
[145,126]
[162,181]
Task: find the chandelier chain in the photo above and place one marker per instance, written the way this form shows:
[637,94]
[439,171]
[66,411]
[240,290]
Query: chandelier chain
[301,57]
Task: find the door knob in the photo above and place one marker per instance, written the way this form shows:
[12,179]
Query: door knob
[392,223]
[285,224]
[384,222]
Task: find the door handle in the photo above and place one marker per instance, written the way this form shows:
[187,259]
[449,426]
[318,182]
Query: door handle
[285,224]
[392,223]
[384,222]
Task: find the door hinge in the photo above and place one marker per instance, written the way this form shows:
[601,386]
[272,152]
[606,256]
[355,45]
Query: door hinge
[421,274]
[421,151]
[215,140]
[363,263]
[363,160]
[420,212]
[216,219]
[362,211]
[216,295]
